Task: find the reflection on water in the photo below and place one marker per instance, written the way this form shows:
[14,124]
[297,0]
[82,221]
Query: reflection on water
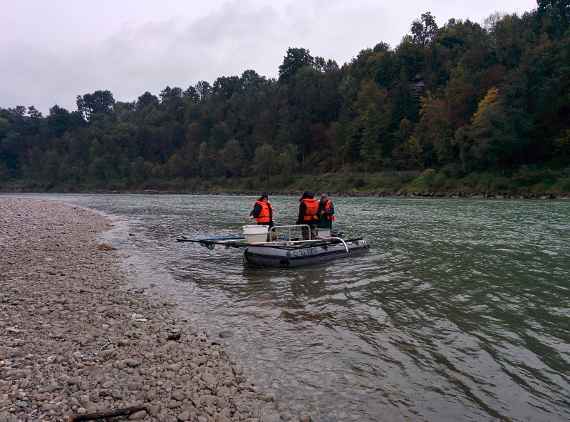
[460,311]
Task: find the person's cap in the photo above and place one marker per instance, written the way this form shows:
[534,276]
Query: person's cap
[264,195]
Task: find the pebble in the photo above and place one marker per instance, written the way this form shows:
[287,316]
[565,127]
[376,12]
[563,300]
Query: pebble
[173,404]
[154,410]
[178,395]
[226,334]
[174,335]
[132,363]
[141,414]
[184,416]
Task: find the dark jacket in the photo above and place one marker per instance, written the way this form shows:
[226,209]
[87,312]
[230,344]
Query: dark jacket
[302,209]
[256,210]
[326,216]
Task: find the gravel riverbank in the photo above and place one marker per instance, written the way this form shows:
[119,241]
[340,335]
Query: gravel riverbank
[77,339]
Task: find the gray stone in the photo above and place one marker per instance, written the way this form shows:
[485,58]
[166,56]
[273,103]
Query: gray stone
[184,416]
[222,418]
[7,417]
[132,363]
[17,373]
[84,400]
[173,404]
[141,414]
[178,395]
[210,380]
[174,335]
[50,388]
[208,400]
[154,410]
[271,417]
[266,397]
[107,354]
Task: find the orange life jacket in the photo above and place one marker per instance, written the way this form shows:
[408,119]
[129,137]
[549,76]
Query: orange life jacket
[264,216]
[311,210]
[328,208]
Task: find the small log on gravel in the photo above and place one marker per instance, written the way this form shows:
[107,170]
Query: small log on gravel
[125,411]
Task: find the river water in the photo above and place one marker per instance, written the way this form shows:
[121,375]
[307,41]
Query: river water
[461,310]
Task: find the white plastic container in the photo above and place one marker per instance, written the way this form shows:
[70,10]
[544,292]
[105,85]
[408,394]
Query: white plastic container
[255,233]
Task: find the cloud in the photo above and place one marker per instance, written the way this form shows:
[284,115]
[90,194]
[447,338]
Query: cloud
[179,47]
[145,57]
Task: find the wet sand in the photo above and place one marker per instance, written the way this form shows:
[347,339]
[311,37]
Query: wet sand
[76,338]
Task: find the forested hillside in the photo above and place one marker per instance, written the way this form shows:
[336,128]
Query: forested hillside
[454,101]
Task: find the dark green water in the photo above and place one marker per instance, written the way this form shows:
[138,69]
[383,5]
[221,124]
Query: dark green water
[460,312]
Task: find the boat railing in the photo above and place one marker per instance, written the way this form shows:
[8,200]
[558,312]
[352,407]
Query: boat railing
[289,229]
[343,243]
[273,239]
[308,230]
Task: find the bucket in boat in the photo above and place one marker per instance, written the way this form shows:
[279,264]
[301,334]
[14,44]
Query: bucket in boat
[255,233]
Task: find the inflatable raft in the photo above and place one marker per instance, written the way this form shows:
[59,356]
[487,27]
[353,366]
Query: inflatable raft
[279,247]
[296,255]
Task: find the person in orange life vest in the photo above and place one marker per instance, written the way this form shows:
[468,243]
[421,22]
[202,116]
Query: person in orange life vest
[262,211]
[326,212]
[308,213]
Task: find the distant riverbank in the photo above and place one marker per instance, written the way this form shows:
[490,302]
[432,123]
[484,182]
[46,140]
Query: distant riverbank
[523,184]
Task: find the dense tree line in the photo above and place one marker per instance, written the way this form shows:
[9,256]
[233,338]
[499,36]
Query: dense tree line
[460,98]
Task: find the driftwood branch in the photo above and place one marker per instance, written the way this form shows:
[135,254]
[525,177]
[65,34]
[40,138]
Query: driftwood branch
[125,411]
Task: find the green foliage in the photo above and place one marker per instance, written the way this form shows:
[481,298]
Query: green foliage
[295,60]
[99,102]
[434,132]
[424,30]
[265,161]
[477,106]
[555,15]
[232,158]
[563,185]
[3,172]
[423,182]
[562,146]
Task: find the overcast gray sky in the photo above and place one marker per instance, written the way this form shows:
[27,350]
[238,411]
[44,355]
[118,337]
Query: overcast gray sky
[51,51]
